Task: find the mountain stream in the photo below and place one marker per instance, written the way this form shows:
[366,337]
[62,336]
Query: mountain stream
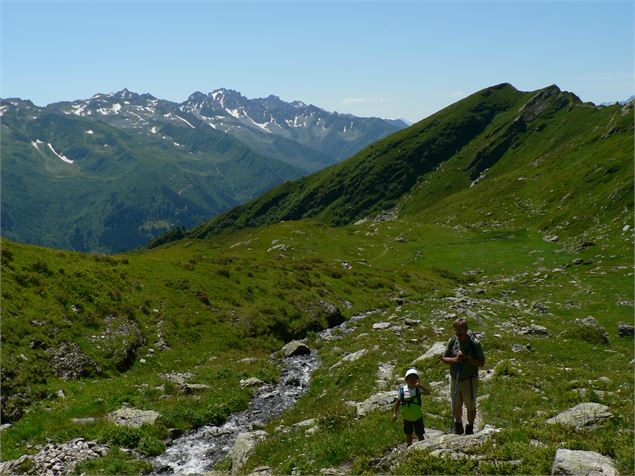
[198,451]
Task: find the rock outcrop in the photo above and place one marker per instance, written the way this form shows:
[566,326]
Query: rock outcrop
[244,445]
[294,348]
[584,415]
[434,352]
[133,417]
[55,459]
[582,463]
[69,362]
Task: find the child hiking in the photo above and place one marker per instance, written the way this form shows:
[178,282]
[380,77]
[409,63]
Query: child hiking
[409,401]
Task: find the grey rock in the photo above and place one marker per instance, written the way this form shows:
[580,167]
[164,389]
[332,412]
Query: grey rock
[350,358]
[177,378]
[536,330]
[540,307]
[412,322]
[378,326]
[190,388]
[251,382]
[522,348]
[379,401]
[133,417]
[83,421]
[625,330]
[69,362]
[449,444]
[243,447]
[295,348]
[434,352]
[592,326]
[584,415]
[582,463]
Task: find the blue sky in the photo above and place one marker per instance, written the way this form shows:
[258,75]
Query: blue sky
[387,59]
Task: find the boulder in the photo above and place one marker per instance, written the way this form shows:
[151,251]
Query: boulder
[536,330]
[625,330]
[582,463]
[584,415]
[378,326]
[434,352]
[294,348]
[379,401]
[450,444]
[133,417]
[591,331]
[349,358]
[243,447]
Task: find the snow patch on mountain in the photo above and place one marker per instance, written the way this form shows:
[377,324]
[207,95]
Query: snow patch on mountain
[179,117]
[89,132]
[61,156]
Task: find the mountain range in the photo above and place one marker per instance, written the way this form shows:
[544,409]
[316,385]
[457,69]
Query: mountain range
[477,161]
[113,171]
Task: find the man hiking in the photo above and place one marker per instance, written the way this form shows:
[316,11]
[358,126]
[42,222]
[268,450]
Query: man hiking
[465,355]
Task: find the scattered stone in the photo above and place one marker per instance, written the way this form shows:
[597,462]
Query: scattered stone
[294,348]
[69,362]
[625,330]
[582,463]
[584,415]
[60,393]
[243,447]
[536,330]
[551,239]
[5,426]
[577,261]
[412,322]
[55,459]
[83,421]
[350,358]
[381,325]
[251,382]
[540,307]
[305,423]
[190,388]
[261,471]
[278,247]
[177,378]
[379,401]
[522,348]
[434,352]
[133,417]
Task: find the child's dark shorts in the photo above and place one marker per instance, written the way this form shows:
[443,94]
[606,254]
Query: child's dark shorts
[417,426]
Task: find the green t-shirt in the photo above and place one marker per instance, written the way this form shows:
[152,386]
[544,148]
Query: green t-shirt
[471,347]
[410,408]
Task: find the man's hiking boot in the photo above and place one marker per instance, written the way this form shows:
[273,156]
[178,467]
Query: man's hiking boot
[469,429]
[458,427]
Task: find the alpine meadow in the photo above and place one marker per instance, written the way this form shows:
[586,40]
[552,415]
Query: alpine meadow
[271,337]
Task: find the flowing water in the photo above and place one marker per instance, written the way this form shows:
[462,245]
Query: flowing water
[198,451]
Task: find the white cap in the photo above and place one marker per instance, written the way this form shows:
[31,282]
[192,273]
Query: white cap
[411,372]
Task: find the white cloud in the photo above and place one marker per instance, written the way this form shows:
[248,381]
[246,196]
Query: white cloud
[349,101]
[456,94]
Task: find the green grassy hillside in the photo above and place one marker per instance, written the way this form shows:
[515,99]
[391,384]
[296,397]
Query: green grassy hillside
[496,157]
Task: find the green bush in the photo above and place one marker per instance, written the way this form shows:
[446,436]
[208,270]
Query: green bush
[151,446]
[121,435]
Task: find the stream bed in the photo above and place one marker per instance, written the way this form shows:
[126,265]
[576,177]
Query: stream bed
[198,451]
